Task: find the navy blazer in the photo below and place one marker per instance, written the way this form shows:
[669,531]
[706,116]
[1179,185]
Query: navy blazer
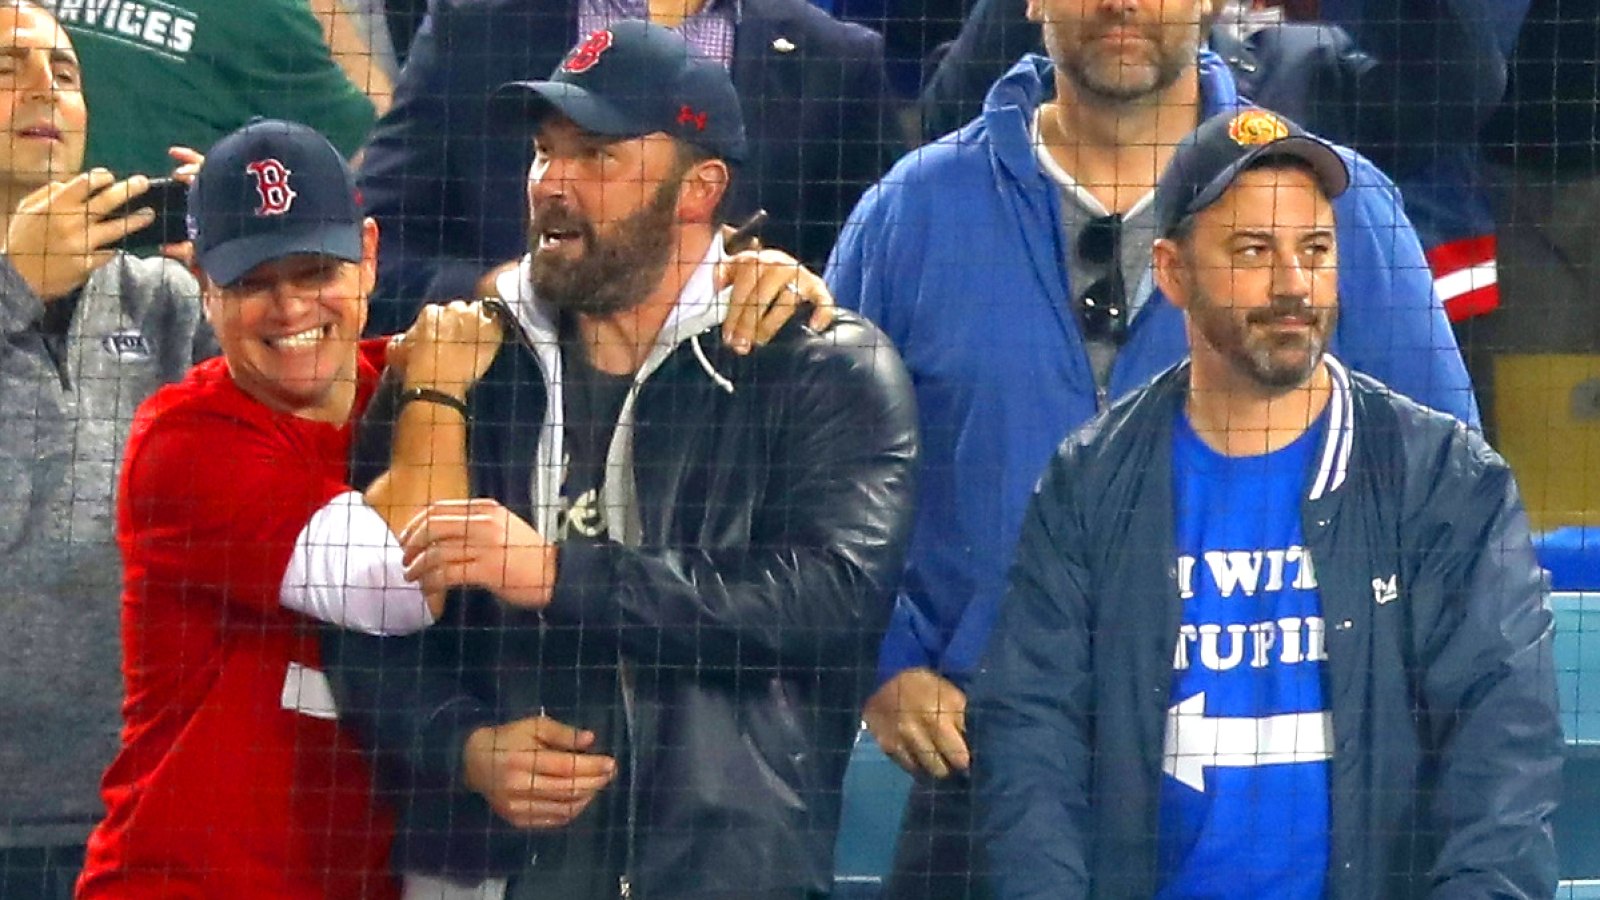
[447,185]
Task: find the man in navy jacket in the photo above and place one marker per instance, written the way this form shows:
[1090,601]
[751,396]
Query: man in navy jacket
[1176,702]
[446,184]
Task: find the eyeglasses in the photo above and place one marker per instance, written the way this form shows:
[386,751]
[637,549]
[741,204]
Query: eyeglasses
[1104,305]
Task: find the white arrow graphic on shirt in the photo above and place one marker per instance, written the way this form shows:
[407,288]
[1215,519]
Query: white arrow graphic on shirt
[1196,740]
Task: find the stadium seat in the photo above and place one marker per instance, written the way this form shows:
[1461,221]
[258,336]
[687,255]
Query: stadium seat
[1577,651]
[1572,557]
[1577,660]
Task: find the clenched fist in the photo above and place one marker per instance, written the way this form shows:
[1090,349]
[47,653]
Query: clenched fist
[448,348]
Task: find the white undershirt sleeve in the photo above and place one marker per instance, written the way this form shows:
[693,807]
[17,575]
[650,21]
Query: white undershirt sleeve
[347,570]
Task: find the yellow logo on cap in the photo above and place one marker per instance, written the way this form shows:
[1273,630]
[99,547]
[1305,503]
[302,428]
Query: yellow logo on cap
[1255,127]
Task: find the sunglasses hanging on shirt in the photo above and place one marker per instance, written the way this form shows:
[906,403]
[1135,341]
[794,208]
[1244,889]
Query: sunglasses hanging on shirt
[1103,308]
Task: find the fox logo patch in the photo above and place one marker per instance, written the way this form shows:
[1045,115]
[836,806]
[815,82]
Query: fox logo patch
[127,346]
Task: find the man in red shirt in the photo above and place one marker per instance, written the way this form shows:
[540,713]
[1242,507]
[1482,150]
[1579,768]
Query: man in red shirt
[234,778]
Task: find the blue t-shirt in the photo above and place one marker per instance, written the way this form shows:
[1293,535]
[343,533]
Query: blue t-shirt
[1244,797]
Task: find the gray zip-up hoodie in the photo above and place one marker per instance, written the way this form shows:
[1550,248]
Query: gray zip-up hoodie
[63,419]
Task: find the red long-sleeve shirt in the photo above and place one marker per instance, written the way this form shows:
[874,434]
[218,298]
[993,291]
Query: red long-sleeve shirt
[222,787]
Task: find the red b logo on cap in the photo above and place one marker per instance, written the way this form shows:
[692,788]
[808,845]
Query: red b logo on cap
[585,55]
[272,183]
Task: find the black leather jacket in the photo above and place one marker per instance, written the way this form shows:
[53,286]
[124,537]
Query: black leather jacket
[730,635]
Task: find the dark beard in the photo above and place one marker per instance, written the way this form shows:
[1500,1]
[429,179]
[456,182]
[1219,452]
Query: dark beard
[613,274]
[1259,358]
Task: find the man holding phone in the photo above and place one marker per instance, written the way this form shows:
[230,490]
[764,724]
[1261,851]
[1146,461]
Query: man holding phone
[86,333]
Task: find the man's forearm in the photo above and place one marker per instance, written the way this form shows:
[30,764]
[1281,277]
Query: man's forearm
[348,570]
[428,461]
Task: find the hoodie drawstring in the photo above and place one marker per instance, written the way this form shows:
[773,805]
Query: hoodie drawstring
[718,377]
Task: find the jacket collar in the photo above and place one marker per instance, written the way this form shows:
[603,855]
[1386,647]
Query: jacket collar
[1218,89]
[699,309]
[1334,461]
[1009,107]
[1333,458]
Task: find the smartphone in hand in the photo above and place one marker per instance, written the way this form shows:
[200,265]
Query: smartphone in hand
[170,199]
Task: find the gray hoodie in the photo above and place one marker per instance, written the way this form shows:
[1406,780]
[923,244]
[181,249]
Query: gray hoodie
[62,427]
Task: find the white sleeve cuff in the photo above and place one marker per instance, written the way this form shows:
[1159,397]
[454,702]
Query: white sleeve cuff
[347,570]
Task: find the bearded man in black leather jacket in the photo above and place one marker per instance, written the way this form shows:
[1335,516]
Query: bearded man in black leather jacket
[666,602]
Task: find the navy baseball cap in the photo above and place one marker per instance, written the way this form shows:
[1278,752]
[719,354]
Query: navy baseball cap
[269,190]
[1212,156]
[631,79]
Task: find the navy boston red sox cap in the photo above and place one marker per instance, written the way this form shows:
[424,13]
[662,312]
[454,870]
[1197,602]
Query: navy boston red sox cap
[269,190]
[631,79]
[1212,156]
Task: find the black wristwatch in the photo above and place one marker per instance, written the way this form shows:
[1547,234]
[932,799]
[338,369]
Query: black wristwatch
[429,395]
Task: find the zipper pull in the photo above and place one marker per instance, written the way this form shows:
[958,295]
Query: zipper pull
[624,888]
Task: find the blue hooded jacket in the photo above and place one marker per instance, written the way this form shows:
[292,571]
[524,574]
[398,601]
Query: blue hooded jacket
[958,256]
